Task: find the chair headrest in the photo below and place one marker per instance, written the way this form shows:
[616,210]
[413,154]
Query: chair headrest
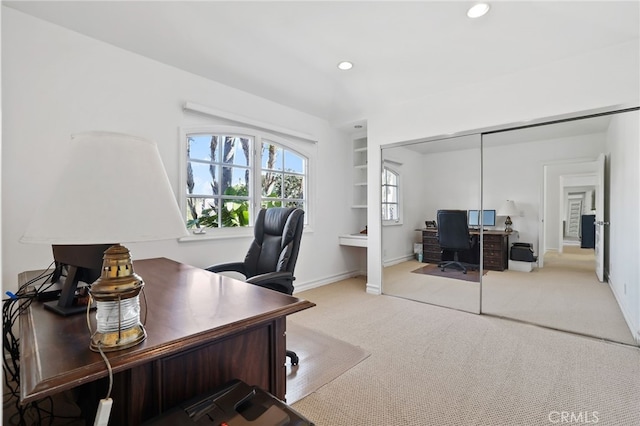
[280,220]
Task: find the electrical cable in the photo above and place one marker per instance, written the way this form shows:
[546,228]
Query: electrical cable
[12,308]
[106,361]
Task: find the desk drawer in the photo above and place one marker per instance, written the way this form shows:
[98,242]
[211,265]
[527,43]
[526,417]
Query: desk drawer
[493,246]
[493,266]
[431,252]
[493,263]
[430,239]
[429,246]
[431,257]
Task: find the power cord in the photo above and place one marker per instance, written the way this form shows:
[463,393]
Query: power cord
[37,412]
[104,407]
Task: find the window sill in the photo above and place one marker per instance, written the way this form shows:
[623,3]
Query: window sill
[225,234]
[392,223]
[217,234]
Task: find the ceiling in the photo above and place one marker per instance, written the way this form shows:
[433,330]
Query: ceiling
[288,51]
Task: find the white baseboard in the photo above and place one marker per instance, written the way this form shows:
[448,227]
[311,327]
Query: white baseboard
[371,289]
[308,285]
[395,261]
[627,317]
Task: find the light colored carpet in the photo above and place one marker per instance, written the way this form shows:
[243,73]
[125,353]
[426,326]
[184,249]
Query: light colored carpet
[435,366]
[322,359]
[457,294]
[565,294]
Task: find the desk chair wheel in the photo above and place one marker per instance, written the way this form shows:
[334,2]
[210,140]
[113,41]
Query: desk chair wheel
[459,265]
[293,356]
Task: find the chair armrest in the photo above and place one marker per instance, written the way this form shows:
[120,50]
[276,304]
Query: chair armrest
[226,267]
[279,281]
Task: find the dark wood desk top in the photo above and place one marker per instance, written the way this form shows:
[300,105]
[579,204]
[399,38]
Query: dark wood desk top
[187,306]
[473,231]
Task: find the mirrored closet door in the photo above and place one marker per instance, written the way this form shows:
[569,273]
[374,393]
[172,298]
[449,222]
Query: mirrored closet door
[555,178]
[418,180]
[559,192]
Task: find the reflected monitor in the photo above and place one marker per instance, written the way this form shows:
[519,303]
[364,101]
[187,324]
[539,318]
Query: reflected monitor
[488,218]
[74,264]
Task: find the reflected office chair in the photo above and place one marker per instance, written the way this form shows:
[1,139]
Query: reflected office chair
[453,235]
[272,256]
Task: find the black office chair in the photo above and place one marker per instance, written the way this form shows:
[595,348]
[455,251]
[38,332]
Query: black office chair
[272,256]
[453,235]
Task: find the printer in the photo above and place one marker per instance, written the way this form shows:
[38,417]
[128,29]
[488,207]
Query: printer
[233,404]
[522,252]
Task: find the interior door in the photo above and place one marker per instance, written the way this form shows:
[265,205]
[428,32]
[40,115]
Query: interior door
[600,219]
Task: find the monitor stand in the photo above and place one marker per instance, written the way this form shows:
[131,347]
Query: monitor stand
[68,304]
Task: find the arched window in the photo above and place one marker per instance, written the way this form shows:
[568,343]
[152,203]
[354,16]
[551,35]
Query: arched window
[230,173]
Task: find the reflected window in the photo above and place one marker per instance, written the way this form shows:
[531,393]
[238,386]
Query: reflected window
[390,196]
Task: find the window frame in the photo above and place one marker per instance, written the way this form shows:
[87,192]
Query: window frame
[255,196]
[398,203]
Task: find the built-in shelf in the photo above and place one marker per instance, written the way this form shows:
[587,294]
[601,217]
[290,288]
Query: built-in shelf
[354,240]
[360,173]
[359,178]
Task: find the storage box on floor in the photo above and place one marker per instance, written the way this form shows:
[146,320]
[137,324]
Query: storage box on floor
[234,404]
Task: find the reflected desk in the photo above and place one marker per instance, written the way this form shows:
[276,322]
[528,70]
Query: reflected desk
[495,248]
[203,329]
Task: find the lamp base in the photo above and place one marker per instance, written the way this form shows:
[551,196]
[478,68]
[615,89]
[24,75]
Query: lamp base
[117,340]
[507,225]
[118,310]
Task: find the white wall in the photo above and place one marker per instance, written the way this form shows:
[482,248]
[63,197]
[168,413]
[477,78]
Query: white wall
[578,83]
[57,82]
[623,142]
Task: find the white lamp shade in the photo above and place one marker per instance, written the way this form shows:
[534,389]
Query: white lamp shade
[508,208]
[113,189]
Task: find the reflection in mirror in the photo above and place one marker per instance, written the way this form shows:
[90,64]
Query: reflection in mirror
[435,175]
[555,175]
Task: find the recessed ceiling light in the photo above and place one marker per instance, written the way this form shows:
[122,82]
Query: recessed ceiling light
[345,65]
[478,10]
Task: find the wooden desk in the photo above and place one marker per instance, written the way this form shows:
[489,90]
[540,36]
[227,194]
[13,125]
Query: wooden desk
[495,248]
[203,329]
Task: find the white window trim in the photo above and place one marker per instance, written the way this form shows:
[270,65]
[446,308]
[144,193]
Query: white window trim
[306,150]
[246,121]
[397,172]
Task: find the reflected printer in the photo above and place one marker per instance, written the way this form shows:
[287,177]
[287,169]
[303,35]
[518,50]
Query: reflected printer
[523,252]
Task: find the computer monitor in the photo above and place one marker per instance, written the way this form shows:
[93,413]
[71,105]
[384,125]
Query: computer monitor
[488,218]
[74,264]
